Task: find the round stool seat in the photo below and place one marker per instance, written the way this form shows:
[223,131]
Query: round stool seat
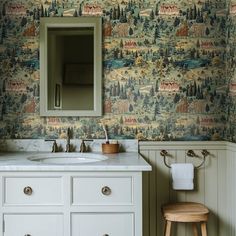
[186,212]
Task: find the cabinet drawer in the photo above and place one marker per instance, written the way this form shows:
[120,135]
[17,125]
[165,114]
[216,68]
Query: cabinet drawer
[33,225]
[33,191]
[102,191]
[110,224]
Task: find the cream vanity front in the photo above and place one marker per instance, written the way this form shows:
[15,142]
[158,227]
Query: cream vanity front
[93,199]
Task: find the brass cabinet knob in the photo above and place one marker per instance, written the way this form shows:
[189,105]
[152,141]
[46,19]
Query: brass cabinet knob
[28,190]
[106,190]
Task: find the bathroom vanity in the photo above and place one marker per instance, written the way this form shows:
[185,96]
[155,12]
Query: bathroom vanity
[101,198]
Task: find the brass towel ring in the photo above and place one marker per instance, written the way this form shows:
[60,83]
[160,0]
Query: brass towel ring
[164,153]
[190,153]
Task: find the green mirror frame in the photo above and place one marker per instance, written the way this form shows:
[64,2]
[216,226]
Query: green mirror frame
[47,94]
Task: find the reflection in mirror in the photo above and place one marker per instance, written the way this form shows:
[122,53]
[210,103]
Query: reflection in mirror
[71,75]
[71,66]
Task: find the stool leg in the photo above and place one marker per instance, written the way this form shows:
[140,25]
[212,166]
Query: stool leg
[195,232]
[204,229]
[167,228]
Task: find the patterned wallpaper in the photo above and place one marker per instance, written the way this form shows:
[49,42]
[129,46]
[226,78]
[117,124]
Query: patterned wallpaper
[164,69]
[230,66]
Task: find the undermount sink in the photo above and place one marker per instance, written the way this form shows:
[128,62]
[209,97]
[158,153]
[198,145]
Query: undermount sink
[67,158]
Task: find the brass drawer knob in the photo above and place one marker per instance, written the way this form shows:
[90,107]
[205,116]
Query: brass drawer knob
[28,190]
[106,191]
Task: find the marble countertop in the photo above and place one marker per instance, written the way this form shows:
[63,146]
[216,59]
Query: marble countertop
[127,161]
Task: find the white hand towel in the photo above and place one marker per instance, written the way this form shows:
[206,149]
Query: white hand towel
[182,176]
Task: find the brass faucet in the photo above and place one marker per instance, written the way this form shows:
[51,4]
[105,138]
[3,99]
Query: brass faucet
[68,145]
[55,147]
[83,147]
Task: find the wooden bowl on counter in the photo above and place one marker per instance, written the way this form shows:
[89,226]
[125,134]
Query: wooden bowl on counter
[109,148]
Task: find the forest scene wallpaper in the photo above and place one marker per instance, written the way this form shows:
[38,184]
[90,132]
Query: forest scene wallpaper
[168,69]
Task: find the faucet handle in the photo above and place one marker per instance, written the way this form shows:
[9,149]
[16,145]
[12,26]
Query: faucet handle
[69,133]
[68,147]
[54,145]
[83,147]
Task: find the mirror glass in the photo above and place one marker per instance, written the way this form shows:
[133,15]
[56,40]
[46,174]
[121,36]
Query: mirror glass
[70,66]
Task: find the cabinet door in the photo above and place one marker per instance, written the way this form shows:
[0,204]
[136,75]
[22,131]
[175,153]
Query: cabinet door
[33,225]
[110,224]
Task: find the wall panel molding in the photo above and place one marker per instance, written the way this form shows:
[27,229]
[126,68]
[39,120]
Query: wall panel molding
[215,185]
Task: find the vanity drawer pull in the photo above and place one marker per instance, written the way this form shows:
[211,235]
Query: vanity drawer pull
[28,191]
[106,191]
[105,234]
[27,234]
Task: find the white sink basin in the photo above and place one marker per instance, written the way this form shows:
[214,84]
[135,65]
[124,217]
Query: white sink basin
[67,158]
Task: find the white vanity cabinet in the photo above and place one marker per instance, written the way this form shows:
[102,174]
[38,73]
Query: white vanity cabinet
[69,203]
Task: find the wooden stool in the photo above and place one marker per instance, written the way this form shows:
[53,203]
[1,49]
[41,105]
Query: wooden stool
[186,212]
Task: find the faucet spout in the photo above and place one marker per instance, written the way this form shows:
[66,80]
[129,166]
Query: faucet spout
[68,145]
[55,148]
[83,147]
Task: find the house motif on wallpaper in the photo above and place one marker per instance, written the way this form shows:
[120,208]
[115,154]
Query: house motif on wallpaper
[15,9]
[182,106]
[107,29]
[30,31]
[30,107]
[121,30]
[92,9]
[130,120]
[183,30]
[207,121]
[130,44]
[121,106]
[207,44]
[108,106]
[168,9]
[197,106]
[16,86]
[232,10]
[169,87]
[198,30]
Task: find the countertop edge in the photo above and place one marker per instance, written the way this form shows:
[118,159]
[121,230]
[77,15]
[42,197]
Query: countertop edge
[122,162]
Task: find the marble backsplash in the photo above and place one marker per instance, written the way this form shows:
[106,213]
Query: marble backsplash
[40,145]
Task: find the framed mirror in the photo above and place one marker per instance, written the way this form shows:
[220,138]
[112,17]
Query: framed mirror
[70,66]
